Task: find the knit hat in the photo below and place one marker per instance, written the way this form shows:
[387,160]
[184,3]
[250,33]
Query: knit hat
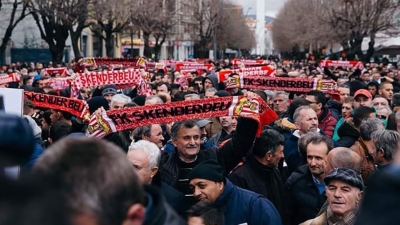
[97,102]
[208,170]
[109,89]
[222,93]
[346,175]
[139,100]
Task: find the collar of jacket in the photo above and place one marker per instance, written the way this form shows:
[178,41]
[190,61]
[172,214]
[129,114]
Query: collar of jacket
[226,194]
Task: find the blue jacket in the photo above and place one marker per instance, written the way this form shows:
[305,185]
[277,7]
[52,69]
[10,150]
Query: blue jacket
[37,152]
[241,206]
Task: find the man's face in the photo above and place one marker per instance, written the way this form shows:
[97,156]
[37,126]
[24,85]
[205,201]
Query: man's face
[308,121]
[342,197]
[383,113]
[140,161]
[316,158]
[276,158]
[162,89]
[203,134]
[208,84]
[372,89]
[347,109]
[43,83]
[362,100]
[156,135]
[344,93]
[313,103]
[234,122]
[380,102]
[226,121]
[158,79]
[280,104]
[195,220]
[199,83]
[209,94]
[366,77]
[118,105]
[386,91]
[187,142]
[108,97]
[206,189]
[54,117]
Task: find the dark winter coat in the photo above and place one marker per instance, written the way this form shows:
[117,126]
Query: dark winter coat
[306,200]
[241,206]
[266,181]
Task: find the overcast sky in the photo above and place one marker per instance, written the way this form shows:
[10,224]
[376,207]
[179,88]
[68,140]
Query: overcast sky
[273,6]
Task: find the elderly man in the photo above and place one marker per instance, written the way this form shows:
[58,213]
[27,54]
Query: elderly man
[145,157]
[119,100]
[152,133]
[344,190]
[239,206]
[387,144]
[281,102]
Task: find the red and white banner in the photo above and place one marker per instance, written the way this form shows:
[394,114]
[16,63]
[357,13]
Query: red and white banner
[48,71]
[252,71]
[12,77]
[337,63]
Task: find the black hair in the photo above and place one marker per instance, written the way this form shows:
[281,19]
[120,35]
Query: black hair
[319,96]
[208,212]
[361,113]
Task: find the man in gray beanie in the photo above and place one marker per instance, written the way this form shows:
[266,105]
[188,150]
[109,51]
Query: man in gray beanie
[108,92]
[239,206]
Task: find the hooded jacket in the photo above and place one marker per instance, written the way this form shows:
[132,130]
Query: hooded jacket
[326,122]
[214,80]
[241,206]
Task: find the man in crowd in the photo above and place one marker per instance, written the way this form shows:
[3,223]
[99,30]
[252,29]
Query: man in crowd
[386,90]
[227,128]
[239,206]
[326,122]
[306,120]
[280,102]
[152,133]
[260,174]
[365,145]
[119,100]
[306,184]
[175,167]
[362,97]
[108,92]
[344,191]
[387,144]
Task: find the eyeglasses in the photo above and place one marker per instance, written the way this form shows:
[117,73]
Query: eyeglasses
[382,117]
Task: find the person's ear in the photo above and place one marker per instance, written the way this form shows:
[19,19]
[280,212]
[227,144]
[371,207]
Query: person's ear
[153,172]
[135,215]
[359,196]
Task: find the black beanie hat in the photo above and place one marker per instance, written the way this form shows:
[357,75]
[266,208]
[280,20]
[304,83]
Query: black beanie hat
[208,170]
[96,102]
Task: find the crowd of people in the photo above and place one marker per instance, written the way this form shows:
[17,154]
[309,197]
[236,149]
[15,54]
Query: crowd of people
[329,158]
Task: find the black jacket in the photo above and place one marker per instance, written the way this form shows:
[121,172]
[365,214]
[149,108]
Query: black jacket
[306,200]
[229,155]
[335,107]
[264,180]
[348,134]
[158,211]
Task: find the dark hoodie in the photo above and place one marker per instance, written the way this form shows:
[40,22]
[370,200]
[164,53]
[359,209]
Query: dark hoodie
[158,212]
[214,80]
[348,133]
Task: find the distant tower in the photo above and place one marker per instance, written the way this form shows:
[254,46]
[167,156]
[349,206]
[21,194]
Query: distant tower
[260,27]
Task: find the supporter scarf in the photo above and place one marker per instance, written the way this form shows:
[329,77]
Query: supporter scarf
[75,107]
[130,118]
[130,77]
[190,66]
[59,83]
[260,70]
[336,63]
[280,83]
[49,71]
[12,77]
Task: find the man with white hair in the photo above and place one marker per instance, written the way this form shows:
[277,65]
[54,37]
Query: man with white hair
[145,157]
[119,100]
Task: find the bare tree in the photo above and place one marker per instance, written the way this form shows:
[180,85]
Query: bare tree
[15,11]
[154,18]
[207,16]
[111,17]
[56,19]
[356,20]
